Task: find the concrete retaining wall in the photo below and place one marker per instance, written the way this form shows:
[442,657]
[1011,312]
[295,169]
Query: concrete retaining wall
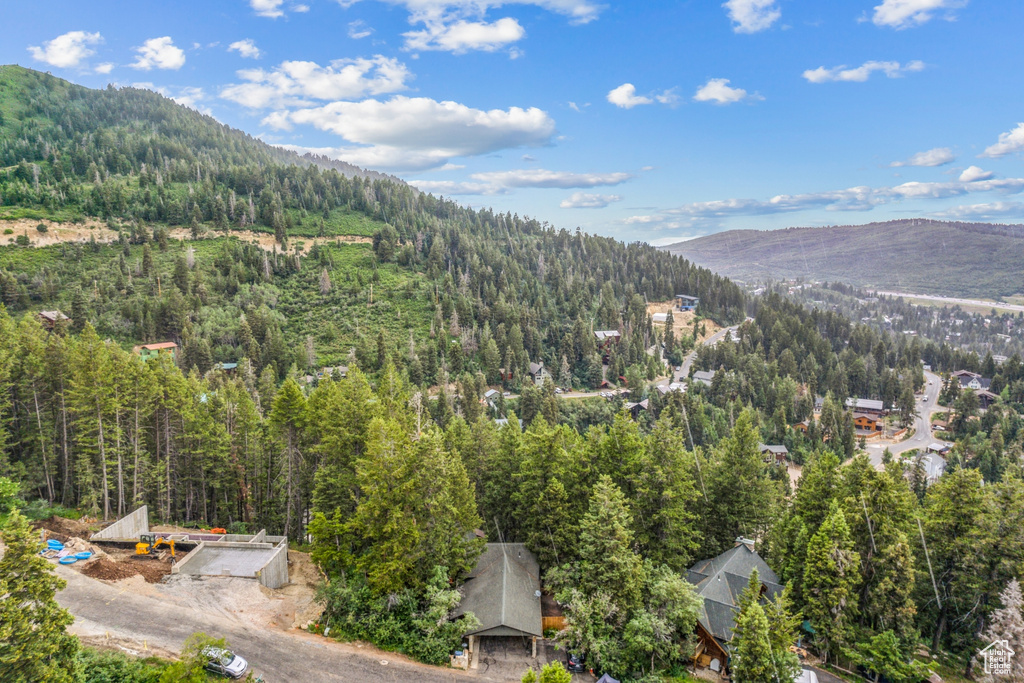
[129,526]
[275,572]
[176,567]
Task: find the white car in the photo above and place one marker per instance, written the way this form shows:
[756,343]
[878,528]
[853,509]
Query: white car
[225,662]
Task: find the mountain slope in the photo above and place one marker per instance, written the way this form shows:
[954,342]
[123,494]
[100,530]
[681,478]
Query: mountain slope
[920,256]
[443,288]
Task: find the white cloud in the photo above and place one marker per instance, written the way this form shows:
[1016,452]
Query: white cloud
[900,14]
[861,73]
[358,29]
[933,157]
[104,68]
[625,97]
[158,53]
[982,211]
[267,8]
[550,179]
[462,36]
[578,11]
[719,91]
[861,198]
[584,200]
[973,174]
[751,16]
[420,133]
[300,8]
[66,50]
[1010,142]
[501,182]
[298,83]
[246,48]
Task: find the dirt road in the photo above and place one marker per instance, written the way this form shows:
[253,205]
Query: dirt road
[133,620]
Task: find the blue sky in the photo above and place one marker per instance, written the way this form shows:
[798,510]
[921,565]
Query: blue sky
[650,120]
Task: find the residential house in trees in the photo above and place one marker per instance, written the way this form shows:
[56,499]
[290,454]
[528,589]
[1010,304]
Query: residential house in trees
[150,351]
[50,319]
[720,581]
[686,302]
[774,455]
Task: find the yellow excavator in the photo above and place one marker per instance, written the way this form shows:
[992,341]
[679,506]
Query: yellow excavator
[148,543]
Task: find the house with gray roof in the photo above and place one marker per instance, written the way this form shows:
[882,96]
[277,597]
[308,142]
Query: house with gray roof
[503,592]
[720,582]
[704,376]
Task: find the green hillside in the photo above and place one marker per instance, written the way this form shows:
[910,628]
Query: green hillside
[919,256]
[441,287]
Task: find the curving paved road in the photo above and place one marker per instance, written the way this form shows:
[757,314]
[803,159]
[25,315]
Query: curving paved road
[922,423]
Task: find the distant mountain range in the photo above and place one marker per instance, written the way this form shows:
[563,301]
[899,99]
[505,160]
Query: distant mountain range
[919,256]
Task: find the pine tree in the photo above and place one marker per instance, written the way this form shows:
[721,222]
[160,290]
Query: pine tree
[752,662]
[34,645]
[830,576]
[608,563]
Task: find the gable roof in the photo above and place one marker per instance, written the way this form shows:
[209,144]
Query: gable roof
[606,334]
[502,591]
[860,404]
[721,580]
[774,450]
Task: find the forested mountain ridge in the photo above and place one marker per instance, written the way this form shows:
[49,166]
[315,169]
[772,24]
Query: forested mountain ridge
[914,255]
[145,164]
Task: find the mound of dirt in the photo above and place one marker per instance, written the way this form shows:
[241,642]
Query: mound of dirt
[62,528]
[109,570]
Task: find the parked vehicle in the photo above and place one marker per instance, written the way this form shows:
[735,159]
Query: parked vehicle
[225,663]
[575,663]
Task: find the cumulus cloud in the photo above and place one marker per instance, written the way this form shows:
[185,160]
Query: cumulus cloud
[299,83]
[625,97]
[1012,141]
[66,50]
[104,68]
[973,174]
[462,36]
[584,200]
[861,73]
[933,157]
[267,8]
[246,48]
[158,53]
[901,14]
[420,133]
[751,16]
[719,91]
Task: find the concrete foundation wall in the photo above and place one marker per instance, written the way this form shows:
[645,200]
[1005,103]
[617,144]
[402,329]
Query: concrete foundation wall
[176,567]
[275,572]
[260,537]
[129,526]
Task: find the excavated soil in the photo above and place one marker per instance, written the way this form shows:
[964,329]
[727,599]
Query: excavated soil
[64,529]
[109,569]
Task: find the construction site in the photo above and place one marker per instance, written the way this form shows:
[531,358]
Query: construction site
[252,578]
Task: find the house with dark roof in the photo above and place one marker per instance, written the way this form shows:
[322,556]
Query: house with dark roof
[986,398]
[774,455]
[537,373]
[972,380]
[687,303]
[503,592]
[720,582]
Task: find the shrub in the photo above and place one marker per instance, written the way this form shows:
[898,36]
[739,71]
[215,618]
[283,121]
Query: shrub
[22,240]
[8,231]
[42,228]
